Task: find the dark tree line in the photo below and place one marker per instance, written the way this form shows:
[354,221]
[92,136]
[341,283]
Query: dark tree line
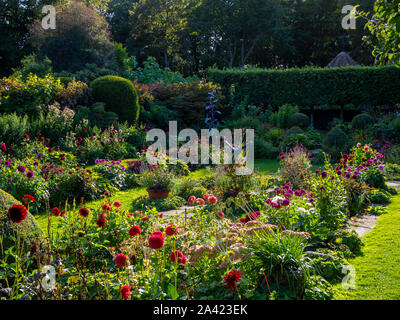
[188,35]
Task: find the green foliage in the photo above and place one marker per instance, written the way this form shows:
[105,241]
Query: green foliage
[317,288]
[86,33]
[119,95]
[157,179]
[362,121]
[280,118]
[379,197]
[312,86]
[13,127]
[384,26]
[298,119]
[151,72]
[171,203]
[188,99]
[30,64]
[336,141]
[346,241]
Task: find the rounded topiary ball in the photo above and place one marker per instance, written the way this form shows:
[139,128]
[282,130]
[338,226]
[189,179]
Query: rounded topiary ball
[119,95]
[298,119]
[362,121]
[293,131]
[27,229]
[336,138]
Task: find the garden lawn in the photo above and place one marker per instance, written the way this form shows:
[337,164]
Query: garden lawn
[378,269]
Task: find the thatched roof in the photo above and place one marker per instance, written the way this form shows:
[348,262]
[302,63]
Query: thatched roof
[342,60]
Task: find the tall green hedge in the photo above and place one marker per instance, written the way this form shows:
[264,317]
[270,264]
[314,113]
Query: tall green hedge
[119,95]
[311,86]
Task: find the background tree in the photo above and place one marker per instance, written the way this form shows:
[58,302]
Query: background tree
[157,24]
[81,37]
[385,27]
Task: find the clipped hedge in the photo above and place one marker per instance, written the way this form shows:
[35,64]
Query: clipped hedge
[119,95]
[27,228]
[311,86]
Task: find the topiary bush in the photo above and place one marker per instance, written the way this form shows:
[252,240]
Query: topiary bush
[119,95]
[26,229]
[293,131]
[362,121]
[298,119]
[336,138]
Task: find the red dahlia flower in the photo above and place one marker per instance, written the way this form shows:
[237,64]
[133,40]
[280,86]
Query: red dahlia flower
[156,240]
[192,199]
[126,292]
[120,260]
[117,204]
[206,196]
[177,255]
[17,213]
[84,212]
[232,278]
[106,207]
[101,221]
[55,212]
[134,230]
[200,201]
[212,200]
[171,230]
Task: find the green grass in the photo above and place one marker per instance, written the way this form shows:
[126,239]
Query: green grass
[378,269]
[265,166]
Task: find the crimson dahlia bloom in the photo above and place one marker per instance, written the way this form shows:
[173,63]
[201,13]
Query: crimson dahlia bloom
[171,230]
[29,174]
[232,278]
[156,241]
[84,212]
[117,204]
[212,200]
[134,230]
[106,207]
[101,221]
[178,255]
[55,212]
[192,199]
[120,260]
[126,292]
[17,213]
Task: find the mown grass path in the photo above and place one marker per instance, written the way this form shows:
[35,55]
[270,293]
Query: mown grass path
[378,269]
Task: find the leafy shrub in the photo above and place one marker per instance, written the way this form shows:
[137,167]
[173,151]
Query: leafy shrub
[336,141]
[158,179]
[151,72]
[362,121]
[346,241]
[264,149]
[317,288]
[281,117]
[298,119]
[143,203]
[293,131]
[328,264]
[13,127]
[119,95]
[188,99]
[379,197]
[31,65]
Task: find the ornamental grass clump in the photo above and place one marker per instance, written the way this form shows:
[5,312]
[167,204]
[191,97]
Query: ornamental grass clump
[295,166]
